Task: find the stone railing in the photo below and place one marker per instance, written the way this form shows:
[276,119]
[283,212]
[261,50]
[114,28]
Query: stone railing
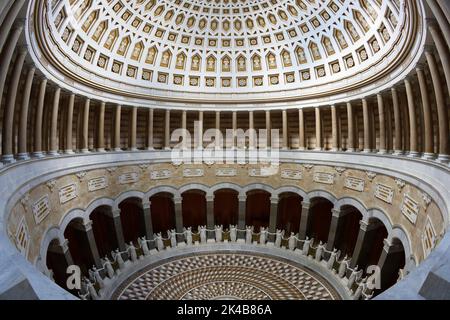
[93,287]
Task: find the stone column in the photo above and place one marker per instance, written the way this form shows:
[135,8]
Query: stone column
[413,146]
[363,243]
[285,130]
[184,127]
[442,108]
[23,124]
[210,212]
[6,55]
[389,139]
[200,130]
[117,119]
[397,123]
[366,126]
[179,216]
[301,129]
[101,128]
[334,129]
[133,145]
[85,131]
[8,116]
[234,120]
[351,128]
[54,124]
[442,50]
[167,131]
[427,121]
[150,130]
[268,128]
[441,20]
[63,249]
[251,127]
[318,130]
[69,142]
[335,227]
[38,121]
[218,131]
[390,257]
[146,206]
[273,214]
[8,22]
[87,228]
[115,215]
[304,220]
[382,120]
[242,210]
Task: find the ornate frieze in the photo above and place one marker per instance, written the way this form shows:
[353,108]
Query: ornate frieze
[41,209]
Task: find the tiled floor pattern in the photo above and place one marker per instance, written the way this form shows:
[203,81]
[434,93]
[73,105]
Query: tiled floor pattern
[243,276]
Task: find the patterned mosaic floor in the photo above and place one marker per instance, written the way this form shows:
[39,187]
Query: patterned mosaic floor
[228,276]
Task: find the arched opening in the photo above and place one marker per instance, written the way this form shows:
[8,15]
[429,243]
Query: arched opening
[226,207]
[320,217]
[289,212]
[194,208]
[391,262]
[163,212]
[132,219]
[57,263]
[373,244]
[257,212]
[348,229]
[79,246]
[104,230]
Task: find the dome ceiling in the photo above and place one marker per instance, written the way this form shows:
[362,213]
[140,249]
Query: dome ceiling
[218,50]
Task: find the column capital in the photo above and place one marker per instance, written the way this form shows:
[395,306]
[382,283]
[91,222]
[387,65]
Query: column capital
[115,213]
[177,200]
[210,198]
[242,197]
[274,199]
[306,204]
[146,204]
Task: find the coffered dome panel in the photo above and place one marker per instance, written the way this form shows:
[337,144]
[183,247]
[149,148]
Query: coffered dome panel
[221,50]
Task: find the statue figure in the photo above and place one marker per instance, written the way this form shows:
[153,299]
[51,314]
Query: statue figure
[343,267]
[188,235]
[219,233]
[144,246]
[159,242]
[108,267]
[132,250]
[249,235]
[319,252]
[263,236]
[334,256]
[278,238]
[306,245]
[292,243]
[91,289]
[118,257]
[173,237]
[202,230]
[359,290]
[233,233]
[354,276]
[95,276]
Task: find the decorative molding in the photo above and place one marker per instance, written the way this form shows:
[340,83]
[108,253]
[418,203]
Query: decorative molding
[340,170]
[426,200]
[51,184]
[226,172]
[128,178]
[193,172]
[371,175]
[81,175]
[400,184]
